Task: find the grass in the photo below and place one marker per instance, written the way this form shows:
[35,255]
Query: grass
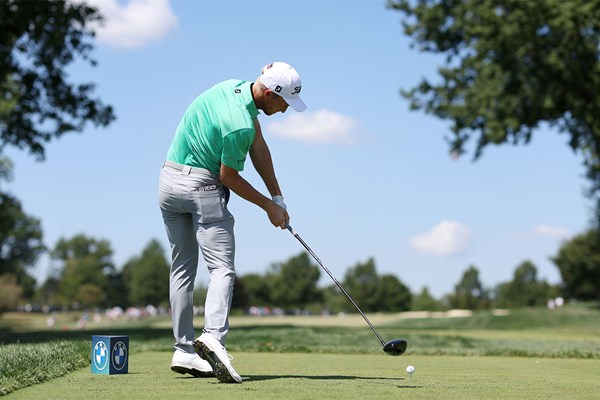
[338,376]
[31,353]
[27,365]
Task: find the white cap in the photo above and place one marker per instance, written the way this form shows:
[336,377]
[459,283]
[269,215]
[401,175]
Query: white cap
[282,79]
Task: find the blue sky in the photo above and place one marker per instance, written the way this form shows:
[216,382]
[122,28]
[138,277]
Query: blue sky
[361,174]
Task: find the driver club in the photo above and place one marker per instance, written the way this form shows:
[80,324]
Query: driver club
[395,347]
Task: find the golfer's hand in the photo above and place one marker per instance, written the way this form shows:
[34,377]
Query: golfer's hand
[277,215]
[279,201]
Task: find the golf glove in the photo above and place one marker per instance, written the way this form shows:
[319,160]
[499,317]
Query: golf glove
[279,201]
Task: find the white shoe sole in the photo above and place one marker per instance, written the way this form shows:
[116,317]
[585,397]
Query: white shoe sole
[219,368]
[187,369]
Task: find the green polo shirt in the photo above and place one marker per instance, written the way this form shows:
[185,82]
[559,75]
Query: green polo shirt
[217,128]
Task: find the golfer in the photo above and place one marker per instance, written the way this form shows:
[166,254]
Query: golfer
[218,130]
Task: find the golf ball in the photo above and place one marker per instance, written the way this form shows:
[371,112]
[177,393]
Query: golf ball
[410,369]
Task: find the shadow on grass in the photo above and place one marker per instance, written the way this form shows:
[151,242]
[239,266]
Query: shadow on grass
[257,378]
[137,331]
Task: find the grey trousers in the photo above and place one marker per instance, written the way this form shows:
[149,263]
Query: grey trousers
[193,204]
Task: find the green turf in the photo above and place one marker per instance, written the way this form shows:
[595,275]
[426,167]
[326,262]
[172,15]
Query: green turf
[337,376]
[28,356]
[25,365]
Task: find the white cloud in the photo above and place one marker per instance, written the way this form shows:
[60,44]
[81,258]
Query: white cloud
[545,231]
[320,127]
[445,239]
[134,24]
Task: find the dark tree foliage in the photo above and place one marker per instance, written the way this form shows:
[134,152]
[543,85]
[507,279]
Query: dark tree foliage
[147,276]
[293,283]
[256,290]
[525,290]
[20,241]
[20,237]
[38,40]
[469,292]
[578,261]
[511,65]
[374,292]
[87,275]
[424,301]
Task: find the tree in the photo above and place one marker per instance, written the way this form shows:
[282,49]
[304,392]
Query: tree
[424,301]
[394,296]
[86,272]
[469,293]
[10,292]
[578,261]
[47,293]
[148,276]
[240,299]
[361,282]
[524,290]
[374,292]
[38,40]
[293,283]
[511,66]
[334,300]
[256,288]
[20,237]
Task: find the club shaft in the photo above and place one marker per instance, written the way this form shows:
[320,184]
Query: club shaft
[339,285]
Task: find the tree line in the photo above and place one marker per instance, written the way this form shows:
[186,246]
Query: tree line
[85,277]
[510,66]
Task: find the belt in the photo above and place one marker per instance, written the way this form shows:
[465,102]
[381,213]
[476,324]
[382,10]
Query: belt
[186,169]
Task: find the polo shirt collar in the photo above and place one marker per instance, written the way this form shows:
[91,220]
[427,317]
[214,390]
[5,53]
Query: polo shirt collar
[248,99]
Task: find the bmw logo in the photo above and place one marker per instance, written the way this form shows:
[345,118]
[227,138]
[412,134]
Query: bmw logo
[100,355]
[119,356]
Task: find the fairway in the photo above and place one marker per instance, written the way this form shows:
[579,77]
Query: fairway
[337,376]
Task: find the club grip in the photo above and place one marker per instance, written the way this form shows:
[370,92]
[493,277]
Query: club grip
[289,228]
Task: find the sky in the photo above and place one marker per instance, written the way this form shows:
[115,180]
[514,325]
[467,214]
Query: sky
[363,176]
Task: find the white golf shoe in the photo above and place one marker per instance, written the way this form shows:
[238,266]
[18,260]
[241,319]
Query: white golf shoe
[211,350]
[190,363]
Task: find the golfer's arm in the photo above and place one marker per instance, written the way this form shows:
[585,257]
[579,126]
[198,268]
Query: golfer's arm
[262,161]
[234,181]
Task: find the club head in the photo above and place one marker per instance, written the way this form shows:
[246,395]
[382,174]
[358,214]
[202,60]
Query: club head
[395,347]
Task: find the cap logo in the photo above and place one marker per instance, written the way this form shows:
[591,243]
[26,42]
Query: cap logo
[280,78]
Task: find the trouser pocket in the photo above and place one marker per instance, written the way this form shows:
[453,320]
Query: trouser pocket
[210,205]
